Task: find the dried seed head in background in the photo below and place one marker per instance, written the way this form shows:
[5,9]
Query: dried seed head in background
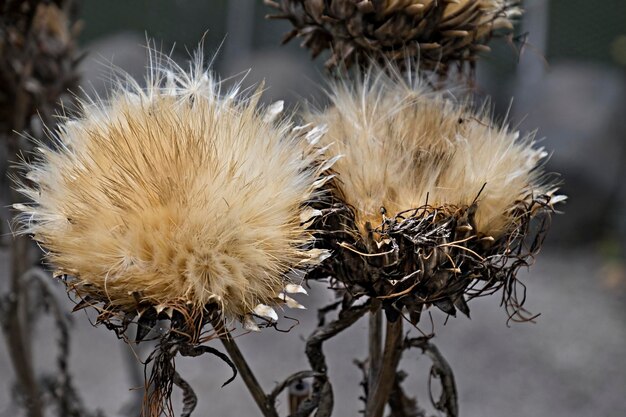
[441,33]
[431,195]
[38,63]
[175,198]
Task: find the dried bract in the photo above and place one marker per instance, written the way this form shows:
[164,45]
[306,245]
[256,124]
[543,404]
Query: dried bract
[432,199]
[440,33]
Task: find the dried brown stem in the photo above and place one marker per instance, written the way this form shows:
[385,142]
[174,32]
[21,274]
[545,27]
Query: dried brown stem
[262,400]
[400,404]
[292,378]
[347,317]
[379,396]
[322,394]
[448,401]
[36,67]
[19,351]
[375,348]
[16,324]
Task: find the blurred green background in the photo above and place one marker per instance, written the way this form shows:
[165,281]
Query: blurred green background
[578,29]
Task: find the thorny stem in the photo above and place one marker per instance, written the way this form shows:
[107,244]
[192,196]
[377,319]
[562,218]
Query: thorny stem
[261,400]
[19,68]
[379,395]
[322,395]
[16,323]
[448,402]
[291,379]
[18,342]
[400,405]
[347,317]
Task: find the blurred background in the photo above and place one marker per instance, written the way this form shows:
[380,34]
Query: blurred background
[568,83]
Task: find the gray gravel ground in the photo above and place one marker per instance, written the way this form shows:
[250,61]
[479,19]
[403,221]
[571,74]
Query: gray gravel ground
[569,364]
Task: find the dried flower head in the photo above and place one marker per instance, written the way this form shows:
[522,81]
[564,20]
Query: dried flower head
[175,198]
[440,33]
[37,44]
[431,195]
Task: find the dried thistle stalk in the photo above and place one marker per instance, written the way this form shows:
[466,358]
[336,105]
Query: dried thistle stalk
[37,66]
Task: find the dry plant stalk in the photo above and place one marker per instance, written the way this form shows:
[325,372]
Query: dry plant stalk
[37,67]
[433,204]
[182,203]
[439,35]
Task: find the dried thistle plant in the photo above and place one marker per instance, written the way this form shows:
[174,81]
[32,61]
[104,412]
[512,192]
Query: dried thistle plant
[179,202]
[442,34]
[433,200]
[184,203]
[37,43]
[38,60]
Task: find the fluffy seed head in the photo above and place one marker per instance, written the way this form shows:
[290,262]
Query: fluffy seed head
[433,202]
[405,146]
[174,194]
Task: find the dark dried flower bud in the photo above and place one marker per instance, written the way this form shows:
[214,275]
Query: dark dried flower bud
[439,33]
[38,63]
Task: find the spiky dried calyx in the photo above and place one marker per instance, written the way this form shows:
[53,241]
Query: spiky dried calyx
[440,33]
[431,195]
[176,197]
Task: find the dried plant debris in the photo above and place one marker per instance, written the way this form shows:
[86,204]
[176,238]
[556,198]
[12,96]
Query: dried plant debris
[164,376]
[176,202]
[38,62]
[441,34]
[433,203]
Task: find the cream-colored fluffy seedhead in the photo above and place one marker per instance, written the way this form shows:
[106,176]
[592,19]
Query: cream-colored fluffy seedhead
[175,194]
[404,146]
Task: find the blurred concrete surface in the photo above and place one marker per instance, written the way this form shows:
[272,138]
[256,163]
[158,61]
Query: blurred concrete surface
[578,112]
[570,363]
